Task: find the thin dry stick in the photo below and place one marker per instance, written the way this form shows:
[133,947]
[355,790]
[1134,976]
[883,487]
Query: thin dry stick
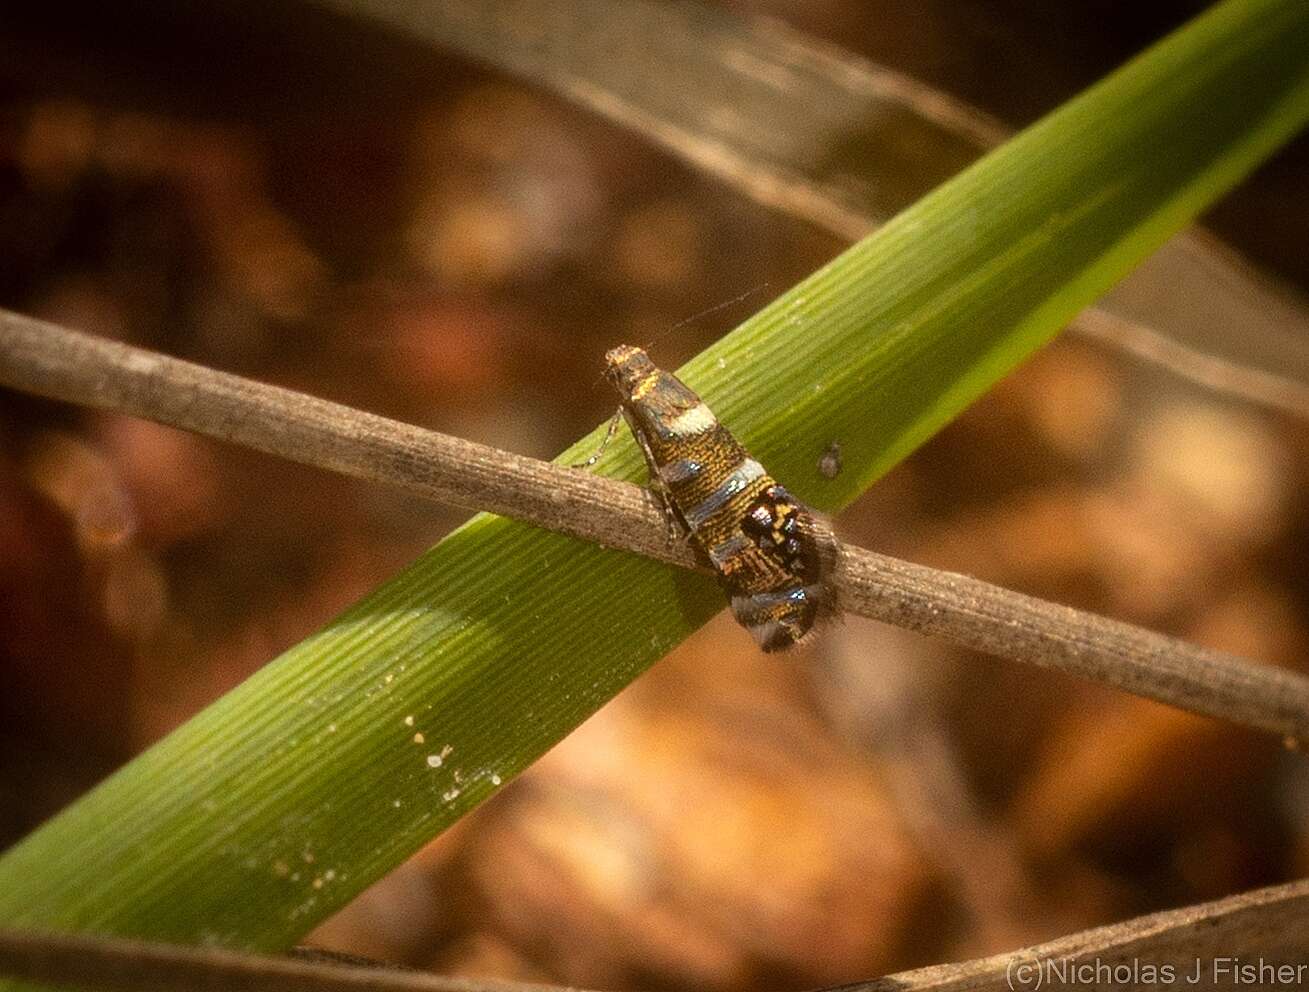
[773,108]
[1199,945]
[1222,376]
[109,964]
[52,361]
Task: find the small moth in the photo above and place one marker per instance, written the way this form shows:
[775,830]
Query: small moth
[772,554]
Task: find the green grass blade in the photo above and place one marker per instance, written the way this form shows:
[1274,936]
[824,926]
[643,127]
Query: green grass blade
[281,801]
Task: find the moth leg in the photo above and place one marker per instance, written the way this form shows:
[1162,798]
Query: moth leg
[604,443]
[677,529]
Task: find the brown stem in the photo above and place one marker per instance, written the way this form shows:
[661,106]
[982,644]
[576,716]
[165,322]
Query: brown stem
[111,964]
[1197,944]
[52,361]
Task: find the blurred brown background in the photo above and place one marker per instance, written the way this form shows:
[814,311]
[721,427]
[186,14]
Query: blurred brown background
[309,201]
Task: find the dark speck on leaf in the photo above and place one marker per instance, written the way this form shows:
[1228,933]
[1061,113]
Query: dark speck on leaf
[829,465]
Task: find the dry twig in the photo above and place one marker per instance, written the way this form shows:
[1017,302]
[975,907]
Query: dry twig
[108,964]
[52,361]
[1194,947]
[1264,927]
[776,116]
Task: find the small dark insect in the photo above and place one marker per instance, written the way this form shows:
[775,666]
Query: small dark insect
[829,463]
[773,555]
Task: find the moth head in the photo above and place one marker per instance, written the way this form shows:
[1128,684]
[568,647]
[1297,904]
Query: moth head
[626,367]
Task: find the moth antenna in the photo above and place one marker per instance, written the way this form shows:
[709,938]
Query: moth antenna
[700,315]
[604,443]
[716,307]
